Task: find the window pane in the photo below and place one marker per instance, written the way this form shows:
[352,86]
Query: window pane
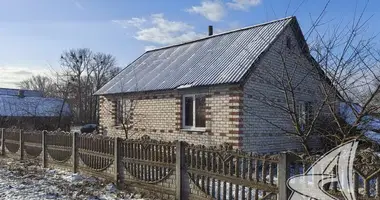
[119,111]
[301,112]
[188,111]
[309,112]
[200,114]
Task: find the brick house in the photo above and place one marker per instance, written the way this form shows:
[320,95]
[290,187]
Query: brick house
[202,91]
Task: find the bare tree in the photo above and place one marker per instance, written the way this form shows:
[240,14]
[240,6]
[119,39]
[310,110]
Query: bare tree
[40,83]
[88,72]
[81,74]
[350,61]
[342,67]
[75,62]
[103,69]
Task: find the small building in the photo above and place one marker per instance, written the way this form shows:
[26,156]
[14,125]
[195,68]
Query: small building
[214,90]
[28,109]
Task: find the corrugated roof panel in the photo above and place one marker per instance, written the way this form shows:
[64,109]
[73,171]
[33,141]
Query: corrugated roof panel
[222,58]
[199,70]
[14,92]
[32,106]
[182,75]
[213,66]
[174,67]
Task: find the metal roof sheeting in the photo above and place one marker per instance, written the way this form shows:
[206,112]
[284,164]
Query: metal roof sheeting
[217,59]
[14,92]
[13,106]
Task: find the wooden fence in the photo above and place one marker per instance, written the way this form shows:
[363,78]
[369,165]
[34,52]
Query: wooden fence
[174,170]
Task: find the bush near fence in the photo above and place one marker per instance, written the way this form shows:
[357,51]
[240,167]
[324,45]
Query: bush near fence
[174,170]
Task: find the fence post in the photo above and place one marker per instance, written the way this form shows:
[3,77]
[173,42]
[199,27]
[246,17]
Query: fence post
[44,153]
[182,182]
[75,152]
[283,175]
[21,144]
[3,141]
[117,162]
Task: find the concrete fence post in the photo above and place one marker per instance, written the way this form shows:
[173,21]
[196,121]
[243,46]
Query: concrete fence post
[283,175]
[44,149]
[117,163]
[3,141]
[75,152]
[182,180]
[21,137]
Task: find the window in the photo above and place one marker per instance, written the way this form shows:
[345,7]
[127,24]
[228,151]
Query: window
[119,111]
[305,113]
[193,111]
[124,111]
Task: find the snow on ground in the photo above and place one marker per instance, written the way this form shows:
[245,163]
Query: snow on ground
[27,181]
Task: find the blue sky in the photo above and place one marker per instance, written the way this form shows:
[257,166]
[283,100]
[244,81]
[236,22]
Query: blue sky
[33,33]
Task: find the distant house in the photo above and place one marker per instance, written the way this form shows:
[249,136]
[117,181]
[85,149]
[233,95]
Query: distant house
[28,109]
[203,91]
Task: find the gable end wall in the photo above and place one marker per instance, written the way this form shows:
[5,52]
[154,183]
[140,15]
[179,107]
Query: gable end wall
[259,132]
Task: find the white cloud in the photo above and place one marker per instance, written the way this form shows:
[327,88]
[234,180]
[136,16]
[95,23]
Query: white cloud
[150,47]
[243,4]
[135,21]
[159,30]
[10,76]
[212,10]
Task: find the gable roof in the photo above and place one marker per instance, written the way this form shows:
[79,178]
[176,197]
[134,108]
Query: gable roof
[14,92]
[13,106]
[218,59]
[33,104]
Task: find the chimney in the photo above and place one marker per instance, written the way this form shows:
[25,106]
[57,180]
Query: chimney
[210,31]
[21,94]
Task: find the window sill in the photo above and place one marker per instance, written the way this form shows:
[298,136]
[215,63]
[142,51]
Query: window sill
[194,129]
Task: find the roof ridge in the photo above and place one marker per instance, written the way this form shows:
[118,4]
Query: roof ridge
[19,89]
[223,33]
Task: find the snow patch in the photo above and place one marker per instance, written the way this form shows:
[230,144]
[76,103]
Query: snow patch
[26,181]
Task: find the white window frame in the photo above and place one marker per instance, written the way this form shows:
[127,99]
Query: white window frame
[192,128]
[304,113]
[119,102]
